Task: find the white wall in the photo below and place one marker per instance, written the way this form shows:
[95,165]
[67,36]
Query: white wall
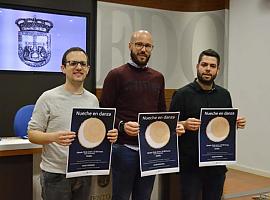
[178,39]
[248,80]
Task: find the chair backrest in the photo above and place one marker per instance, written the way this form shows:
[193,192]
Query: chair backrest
[22,117]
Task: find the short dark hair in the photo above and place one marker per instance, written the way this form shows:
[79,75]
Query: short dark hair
[64,58]
[209,52]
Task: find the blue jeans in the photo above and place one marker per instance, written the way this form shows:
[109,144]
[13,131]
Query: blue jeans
[198,184]
[58,187]
[127,178]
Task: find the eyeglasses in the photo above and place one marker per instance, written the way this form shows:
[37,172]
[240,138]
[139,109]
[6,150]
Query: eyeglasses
[140,45]
[74,63]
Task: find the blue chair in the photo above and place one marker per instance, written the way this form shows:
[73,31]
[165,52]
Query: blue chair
[22,117]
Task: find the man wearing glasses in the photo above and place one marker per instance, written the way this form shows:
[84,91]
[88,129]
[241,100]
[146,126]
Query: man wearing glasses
[50,127]
[132,88]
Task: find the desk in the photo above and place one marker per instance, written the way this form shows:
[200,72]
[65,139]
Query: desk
[16,168]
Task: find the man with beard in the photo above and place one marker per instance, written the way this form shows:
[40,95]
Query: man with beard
[132,88]
[196,182]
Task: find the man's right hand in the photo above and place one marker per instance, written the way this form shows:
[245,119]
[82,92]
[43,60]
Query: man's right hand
[64,138]
[132,128]
[192,124]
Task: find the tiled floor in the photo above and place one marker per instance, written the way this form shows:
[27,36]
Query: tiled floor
[238,182]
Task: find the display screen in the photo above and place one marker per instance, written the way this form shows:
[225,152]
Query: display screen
[36,41]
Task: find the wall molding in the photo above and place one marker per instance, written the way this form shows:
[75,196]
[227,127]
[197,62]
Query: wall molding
[250,170]
[179,5]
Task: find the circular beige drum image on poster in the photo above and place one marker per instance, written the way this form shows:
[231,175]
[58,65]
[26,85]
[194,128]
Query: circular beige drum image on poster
[91,133]
[157,134]
[218,129]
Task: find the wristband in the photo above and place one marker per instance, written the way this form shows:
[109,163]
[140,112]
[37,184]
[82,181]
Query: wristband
[121,127]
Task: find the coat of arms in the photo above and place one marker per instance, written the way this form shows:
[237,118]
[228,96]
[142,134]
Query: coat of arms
[34,41]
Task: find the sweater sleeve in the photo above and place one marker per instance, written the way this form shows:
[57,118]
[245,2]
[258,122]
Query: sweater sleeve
[162,103]
[41,114]
[110,92]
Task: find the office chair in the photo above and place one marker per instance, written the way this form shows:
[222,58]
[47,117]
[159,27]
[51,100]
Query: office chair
[22,117]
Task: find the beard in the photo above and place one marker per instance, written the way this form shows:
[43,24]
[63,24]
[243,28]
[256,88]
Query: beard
[206,81]
[135,59]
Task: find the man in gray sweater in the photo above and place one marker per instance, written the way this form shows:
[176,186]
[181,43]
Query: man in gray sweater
[50,127]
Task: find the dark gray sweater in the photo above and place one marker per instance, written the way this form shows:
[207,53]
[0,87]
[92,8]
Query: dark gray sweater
[133,90]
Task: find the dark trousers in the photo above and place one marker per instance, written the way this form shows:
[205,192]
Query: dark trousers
[201,185]
[127,178]
[58,187]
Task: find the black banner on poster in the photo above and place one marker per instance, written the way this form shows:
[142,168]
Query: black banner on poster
[90,152]
[217,136]
[158,143]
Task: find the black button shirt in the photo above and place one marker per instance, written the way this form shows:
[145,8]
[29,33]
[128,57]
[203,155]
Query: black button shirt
[189,100]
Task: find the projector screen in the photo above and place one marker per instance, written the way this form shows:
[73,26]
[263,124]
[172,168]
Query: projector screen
[36,41]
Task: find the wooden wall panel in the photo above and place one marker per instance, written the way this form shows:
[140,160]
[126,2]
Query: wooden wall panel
[16,180]
[177,5]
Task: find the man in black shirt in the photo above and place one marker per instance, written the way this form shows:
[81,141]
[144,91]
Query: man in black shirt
[196,181]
